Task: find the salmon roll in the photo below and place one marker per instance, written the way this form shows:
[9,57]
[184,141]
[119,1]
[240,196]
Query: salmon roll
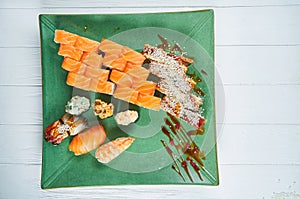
[134,57]
[96,73]
[93,60]
[105,87]
[130,65]
[70,64]
[139,74]
[70,51]
[86,44]
[118,64]
[84,55]
[121,78]
[78,81]
[145,87]
[126,94]
[65,37]
[110,47]
[149,102]
[109,58]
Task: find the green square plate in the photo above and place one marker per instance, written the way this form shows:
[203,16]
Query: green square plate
[146,161]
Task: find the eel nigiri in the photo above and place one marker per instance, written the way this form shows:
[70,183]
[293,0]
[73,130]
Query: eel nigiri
[65,126]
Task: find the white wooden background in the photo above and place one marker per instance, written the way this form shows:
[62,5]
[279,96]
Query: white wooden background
[258,58]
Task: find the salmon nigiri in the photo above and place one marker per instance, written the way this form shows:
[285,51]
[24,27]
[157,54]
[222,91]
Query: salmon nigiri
[88,140]
[112,149]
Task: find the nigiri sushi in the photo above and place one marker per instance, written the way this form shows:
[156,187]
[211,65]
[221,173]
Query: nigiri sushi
[65,126]
[112,149]
[88,140]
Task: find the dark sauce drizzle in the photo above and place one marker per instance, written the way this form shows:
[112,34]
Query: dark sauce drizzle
[165,44]
[199,91]
[195,77]
[184,144]
[171,154]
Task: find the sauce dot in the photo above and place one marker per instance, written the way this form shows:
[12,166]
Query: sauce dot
[183,164]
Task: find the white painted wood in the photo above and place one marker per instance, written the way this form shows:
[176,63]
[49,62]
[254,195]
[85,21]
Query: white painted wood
[26,70]
[237,144]
[237,181]
[248,28]
[257,56]
[259,144]
[262,104]
[237,65]
[252,65]
[255,26]
[243,105]
[21,144]
[21,105]
[142,3]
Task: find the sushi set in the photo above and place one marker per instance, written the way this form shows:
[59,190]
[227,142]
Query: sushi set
[130,114]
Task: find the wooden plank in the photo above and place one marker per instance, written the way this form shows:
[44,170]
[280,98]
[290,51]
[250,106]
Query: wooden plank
[21,144]
[257,26]
[21,105]
[261,104]
[243,104]
[259,144]
[144,3]
[280,63]
[252,26]
[26,70]
[252,65]
[237,144]
[236,181]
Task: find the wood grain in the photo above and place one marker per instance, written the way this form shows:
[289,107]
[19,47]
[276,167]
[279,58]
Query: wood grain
[260,28]
[144,3]
[237,181]
[257,48]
